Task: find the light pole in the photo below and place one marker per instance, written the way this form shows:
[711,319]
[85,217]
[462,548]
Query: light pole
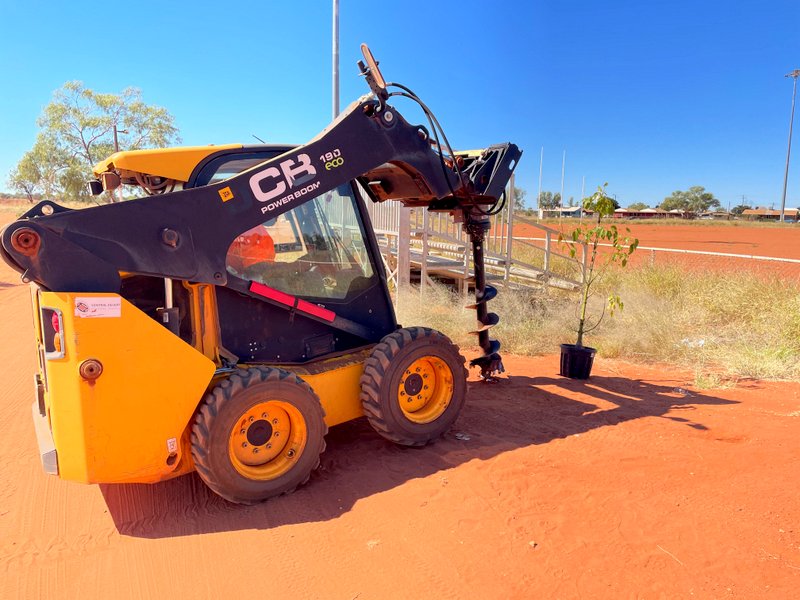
[794,75]
[561,201]
[335,58]
[116,141]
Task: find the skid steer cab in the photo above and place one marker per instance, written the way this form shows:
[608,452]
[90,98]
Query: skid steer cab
[225,319]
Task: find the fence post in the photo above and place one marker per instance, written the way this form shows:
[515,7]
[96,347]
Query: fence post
[404,252]
[509,224]
[463,285]
[423,269]
[546,264]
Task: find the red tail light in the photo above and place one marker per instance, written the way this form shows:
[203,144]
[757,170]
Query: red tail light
[52,334]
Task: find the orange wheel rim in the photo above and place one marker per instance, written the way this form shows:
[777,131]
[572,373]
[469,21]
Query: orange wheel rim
[267,440]
[425,389]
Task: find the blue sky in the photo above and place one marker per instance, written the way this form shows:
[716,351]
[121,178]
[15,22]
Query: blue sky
[649,96]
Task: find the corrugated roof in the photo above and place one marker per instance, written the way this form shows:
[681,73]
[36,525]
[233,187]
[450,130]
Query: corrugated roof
[768,212]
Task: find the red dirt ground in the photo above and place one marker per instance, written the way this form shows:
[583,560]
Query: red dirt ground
[632,485]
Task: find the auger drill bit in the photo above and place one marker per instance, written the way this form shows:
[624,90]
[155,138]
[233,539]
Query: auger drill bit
[476,225]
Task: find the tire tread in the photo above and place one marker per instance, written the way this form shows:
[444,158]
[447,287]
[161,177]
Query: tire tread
[211,406]
[375,373]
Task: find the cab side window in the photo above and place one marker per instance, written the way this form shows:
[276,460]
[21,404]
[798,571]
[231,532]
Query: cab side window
[316,250]
[228,165]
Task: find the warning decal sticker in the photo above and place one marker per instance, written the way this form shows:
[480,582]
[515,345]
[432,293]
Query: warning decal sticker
[98,307]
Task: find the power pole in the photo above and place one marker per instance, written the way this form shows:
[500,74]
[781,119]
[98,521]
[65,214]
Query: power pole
[561,201]
[335,58]
[794,75]
[539,193]
[116,149]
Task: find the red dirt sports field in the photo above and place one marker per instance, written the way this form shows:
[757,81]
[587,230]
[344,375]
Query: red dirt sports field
[762,240]
[741,239]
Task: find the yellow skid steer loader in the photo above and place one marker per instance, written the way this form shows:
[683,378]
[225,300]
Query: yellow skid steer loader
[225,320]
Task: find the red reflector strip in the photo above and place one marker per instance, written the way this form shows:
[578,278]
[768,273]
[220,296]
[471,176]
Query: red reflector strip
[272,293]
[317,311]
[289,300]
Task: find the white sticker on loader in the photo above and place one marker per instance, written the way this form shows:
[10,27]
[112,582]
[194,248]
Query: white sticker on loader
[172,445]
[103,308]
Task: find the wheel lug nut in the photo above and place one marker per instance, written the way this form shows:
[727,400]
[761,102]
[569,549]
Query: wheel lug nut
[242,432]
[255,450]
[263,415]
[251,419]
[290,454]
[426,387]
[269,446]
[277,433]
[244,444]
[274,421]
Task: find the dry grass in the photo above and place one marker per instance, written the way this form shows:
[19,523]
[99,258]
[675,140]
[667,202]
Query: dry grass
[724,326]
[729,324]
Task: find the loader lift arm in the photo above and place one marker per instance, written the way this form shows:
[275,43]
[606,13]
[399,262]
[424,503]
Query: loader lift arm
[185,235]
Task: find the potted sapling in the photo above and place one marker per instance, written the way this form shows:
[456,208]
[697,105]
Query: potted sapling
[603,246]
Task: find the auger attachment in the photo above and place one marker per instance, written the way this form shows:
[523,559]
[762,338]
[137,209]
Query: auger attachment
[486,323]
[489,293]
[476,225]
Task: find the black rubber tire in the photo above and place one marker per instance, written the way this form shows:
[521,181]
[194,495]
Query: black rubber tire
[383,372]
[220,409]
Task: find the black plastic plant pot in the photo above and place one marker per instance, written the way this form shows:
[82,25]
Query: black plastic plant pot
[576,363]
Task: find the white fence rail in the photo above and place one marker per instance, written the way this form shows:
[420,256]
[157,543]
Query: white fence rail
[427,245]
[702,259]
[433,244]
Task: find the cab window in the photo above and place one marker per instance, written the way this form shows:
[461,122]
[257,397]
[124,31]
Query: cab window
[315,250]
[227,165]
